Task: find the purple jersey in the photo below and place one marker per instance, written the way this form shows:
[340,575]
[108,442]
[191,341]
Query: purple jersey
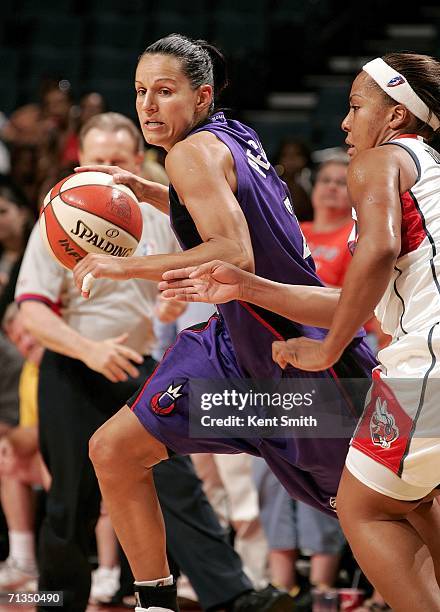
[280,252]
[238,344]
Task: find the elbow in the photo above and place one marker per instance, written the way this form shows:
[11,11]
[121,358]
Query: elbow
[389,252]
[383,253]
[27,316]
[236,252]
[245,260]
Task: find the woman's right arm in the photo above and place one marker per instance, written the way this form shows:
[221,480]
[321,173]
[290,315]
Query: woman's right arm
[151,192]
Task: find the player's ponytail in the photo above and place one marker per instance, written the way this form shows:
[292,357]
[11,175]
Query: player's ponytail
[219,67]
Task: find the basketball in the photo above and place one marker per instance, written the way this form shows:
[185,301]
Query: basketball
[88,213]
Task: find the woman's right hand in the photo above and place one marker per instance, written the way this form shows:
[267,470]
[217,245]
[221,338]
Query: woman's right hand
[144,190]
[214,282]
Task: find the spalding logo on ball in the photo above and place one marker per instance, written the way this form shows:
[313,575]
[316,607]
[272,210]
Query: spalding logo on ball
[88,213]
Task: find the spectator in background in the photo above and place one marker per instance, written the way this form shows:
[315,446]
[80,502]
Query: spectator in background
[90,104]
[19,464]
[41,138]
[328,234]
[16,220]
[293,164]
[61,147]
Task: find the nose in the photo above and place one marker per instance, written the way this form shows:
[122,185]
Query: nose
[345,126]
[149,103]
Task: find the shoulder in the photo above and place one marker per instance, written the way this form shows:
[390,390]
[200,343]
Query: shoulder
[196,153]
[373,163]
[384,165]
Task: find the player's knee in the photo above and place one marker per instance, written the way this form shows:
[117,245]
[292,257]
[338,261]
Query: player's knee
[104,450]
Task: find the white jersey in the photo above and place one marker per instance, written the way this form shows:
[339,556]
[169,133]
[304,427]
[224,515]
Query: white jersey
[412,300]
[114,307]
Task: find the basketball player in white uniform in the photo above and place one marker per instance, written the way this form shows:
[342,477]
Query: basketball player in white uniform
[386,500]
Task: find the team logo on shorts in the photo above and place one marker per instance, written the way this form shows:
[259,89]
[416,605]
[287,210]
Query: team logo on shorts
[383,428]
[164,402]
[397,80]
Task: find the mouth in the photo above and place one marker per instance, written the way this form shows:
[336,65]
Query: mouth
[151,125]
[350,148]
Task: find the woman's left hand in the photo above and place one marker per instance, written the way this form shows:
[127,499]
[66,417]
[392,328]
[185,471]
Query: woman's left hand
[304,354]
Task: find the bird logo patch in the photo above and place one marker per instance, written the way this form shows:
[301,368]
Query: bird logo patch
[164,402]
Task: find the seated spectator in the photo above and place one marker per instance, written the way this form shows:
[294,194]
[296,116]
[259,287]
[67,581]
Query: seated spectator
[293,164]
[328,234]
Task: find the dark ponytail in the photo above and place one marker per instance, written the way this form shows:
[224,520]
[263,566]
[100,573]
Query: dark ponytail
[219,67]
[202,63]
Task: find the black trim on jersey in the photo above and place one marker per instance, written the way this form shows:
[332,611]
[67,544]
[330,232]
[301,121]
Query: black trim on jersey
[422,399]
[182,222]
[411,152]
[400,298]
[430,238]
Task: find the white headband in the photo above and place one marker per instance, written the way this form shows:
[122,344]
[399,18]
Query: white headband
[398,88]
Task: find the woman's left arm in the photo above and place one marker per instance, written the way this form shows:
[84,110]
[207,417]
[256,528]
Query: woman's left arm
[374,187]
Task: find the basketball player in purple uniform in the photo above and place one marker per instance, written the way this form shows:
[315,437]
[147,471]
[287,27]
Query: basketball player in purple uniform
[225,201]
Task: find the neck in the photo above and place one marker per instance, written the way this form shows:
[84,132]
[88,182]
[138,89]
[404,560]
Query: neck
[330,219]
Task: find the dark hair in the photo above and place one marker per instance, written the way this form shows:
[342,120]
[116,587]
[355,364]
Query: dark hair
[11,191]
[423,74]
[202,63]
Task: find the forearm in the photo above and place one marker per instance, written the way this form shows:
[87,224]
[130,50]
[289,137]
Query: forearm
[365,283]
[158,196]
[302,304]
[52,332]
[152,267]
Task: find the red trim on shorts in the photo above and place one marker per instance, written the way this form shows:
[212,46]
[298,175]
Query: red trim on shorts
[214,317]
[261,320]
[274,331]
[280,337]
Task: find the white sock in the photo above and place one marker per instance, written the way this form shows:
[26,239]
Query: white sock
[22,548]
[152,583]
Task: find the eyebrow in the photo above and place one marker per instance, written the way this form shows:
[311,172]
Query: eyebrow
[160,79]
